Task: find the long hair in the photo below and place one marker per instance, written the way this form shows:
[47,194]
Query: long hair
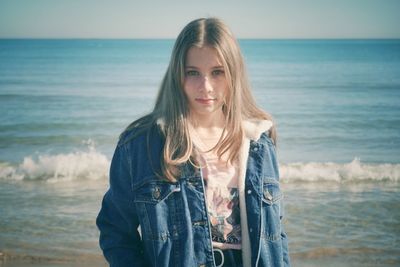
[172,105]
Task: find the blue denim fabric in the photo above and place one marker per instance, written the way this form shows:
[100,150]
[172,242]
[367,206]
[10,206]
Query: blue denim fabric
[146,221]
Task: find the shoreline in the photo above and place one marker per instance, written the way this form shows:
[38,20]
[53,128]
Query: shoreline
[309,259]
[17,260]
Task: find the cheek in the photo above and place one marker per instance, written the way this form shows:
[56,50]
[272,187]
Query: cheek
[187,89]
[223,88]
[189,86]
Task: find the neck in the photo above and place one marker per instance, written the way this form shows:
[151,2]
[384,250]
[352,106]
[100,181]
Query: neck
[216,120]
[206,130]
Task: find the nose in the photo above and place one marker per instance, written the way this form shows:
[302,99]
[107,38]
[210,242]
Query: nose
[205,84]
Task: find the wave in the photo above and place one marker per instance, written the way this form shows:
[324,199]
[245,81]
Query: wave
[93,165]
[80,165]
[355,171]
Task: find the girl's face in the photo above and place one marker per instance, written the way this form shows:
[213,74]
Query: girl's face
[205,83]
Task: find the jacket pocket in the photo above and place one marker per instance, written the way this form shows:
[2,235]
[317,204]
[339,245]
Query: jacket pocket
[157,206]
[271,205]
[154,192]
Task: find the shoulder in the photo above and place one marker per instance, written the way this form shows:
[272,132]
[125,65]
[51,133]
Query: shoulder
[140,131]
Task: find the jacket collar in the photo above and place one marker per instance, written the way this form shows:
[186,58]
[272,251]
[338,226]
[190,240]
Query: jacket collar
[253,129]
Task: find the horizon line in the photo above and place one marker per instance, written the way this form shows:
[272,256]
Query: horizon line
[168,38]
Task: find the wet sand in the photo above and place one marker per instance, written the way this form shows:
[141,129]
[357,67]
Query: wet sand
[7,260]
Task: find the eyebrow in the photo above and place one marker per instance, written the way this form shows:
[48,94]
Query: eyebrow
[215,67]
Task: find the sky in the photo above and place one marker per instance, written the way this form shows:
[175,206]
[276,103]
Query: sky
[165,18]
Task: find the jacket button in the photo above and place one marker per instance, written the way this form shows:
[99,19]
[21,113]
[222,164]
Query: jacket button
[267,195]
[156,193]
[249,191]
[255,149]
[251,230]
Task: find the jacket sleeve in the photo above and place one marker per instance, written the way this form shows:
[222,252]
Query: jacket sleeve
[285,248]
[117,219]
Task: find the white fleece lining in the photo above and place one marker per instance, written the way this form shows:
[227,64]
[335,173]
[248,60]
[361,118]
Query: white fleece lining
[246,249]
[254,128]
[253,131]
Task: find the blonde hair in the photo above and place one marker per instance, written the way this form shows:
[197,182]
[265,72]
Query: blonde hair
[172,106]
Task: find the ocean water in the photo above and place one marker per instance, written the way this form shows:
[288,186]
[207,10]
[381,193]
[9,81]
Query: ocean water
[336,104]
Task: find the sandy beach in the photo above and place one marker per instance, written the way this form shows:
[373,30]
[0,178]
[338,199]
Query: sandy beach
[8,260]
[305,260]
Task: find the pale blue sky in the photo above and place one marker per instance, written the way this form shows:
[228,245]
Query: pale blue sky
[165,18]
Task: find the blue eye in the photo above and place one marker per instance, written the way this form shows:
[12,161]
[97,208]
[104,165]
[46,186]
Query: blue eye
[192,73]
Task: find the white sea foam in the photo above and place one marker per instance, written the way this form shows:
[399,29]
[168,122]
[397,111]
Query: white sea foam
[72,166]
[355,171]
[93,165]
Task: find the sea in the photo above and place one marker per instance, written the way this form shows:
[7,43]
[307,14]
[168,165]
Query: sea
[336,105]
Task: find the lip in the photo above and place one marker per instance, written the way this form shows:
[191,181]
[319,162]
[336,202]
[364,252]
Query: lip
[205,101]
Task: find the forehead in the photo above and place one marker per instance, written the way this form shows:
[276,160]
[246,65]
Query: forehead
[205,56]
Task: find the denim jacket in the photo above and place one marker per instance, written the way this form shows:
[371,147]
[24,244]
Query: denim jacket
[147,221]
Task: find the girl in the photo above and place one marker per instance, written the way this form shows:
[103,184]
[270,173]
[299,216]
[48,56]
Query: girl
[196,182]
